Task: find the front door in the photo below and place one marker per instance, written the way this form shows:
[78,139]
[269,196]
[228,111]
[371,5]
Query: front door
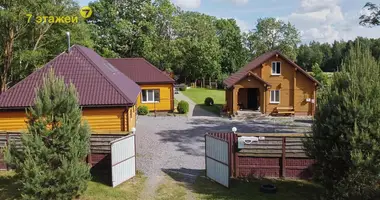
[252,98]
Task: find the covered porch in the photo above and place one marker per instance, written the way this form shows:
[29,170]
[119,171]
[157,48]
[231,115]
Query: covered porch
[248,95]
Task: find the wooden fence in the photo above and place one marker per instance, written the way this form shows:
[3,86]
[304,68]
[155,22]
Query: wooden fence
[100,148]
[276,155]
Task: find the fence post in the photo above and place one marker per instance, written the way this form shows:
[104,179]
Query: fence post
[89,158]
[6,144]
[283,162]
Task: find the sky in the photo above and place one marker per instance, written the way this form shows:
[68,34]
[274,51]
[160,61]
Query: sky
[319,20]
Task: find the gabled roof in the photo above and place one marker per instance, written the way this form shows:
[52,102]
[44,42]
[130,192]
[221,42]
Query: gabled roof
[97,82]
[140,70]
[257,78]
[236,77]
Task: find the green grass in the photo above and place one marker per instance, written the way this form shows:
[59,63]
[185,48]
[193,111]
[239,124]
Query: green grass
[198,95]
[171,189]
[131,189]
[249,190]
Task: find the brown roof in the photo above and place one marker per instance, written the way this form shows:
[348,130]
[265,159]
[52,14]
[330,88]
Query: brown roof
[140,70]
[236,77]
[96,80]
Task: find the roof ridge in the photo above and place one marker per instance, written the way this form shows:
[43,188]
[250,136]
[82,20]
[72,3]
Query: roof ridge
[150,64]
[43,66]
[101,72]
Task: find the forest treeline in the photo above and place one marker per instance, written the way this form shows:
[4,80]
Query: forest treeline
[190,44]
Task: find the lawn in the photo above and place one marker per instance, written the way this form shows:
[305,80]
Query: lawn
[198,95]
[128,190]
[176,187]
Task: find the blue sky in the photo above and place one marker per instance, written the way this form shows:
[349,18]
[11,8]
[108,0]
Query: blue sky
[320,20]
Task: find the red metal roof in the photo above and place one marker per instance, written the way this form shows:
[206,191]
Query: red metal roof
[140,70]
[236,77]
[96,80]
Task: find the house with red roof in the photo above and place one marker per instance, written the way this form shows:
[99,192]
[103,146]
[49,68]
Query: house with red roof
[157,87]
[271,84]
[107,96]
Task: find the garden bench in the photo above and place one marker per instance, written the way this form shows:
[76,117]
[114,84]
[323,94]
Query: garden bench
[285,110]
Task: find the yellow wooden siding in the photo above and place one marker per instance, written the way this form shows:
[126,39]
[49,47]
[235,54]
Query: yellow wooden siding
[104,120]
[13,121]
[304,90]
[101,120]
[285,83]
[166,97]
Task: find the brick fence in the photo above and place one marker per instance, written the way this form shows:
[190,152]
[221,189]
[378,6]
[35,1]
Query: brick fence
[277,155]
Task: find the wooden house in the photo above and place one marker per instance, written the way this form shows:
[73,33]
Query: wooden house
[157,87]
[107,96]
[271,84]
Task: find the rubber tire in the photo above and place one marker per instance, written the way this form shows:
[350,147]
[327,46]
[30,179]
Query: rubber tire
[268,189]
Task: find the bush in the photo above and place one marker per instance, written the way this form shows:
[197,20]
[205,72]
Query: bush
[183,87]
[183,107]
[50,164]
[209,101]
[142,110]
[346,139]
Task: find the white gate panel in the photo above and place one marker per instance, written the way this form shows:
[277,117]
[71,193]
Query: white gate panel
[217,160]
[123,159]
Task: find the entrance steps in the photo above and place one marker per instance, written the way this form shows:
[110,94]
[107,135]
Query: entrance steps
[247,115]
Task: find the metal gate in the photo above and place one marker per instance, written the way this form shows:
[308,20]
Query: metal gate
[123,159]
[217,160]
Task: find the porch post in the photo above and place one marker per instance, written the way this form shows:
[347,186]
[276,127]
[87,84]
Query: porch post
[235,100]
[265,100]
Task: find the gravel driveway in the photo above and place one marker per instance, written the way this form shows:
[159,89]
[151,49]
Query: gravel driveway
[176,144]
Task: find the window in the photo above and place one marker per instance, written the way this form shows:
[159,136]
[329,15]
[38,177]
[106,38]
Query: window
[150,96]
[275,96]
[276,68]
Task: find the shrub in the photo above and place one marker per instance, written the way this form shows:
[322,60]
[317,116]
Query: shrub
[209,101]
[50,164]
[183,107]
[346,140]
[182,87]
[142,110]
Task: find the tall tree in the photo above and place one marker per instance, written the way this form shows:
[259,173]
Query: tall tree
[160,48]
[120,27]
[272,34]
[50,164]
[373,18]
[36,43]
[199,46]
[234,55]
[346,140]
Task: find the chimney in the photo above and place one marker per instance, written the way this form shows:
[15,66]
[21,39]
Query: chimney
[68,42]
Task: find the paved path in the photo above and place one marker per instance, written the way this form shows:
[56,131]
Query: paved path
[194,110]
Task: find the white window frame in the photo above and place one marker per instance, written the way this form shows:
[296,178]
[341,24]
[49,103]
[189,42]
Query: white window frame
[275,72]
[146,91]
[273,93]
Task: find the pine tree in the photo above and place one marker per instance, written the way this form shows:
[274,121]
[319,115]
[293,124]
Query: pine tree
[51,164]
[319,74]
[346,130]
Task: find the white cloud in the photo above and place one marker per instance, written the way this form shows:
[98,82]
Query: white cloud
[324,21]
[187,4]
[244,26]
